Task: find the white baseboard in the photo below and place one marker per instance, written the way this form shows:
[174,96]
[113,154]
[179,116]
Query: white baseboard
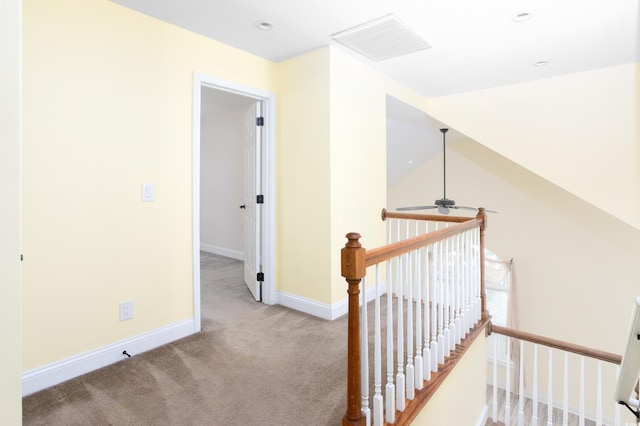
[233,254]
[302,304]
[319,309]
[60,371]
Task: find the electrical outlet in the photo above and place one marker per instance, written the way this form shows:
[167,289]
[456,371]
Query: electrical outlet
[126,310]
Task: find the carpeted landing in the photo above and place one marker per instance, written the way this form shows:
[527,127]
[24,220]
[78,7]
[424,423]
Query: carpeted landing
[252,364]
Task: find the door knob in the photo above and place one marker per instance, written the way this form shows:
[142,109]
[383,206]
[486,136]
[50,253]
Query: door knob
[244,206]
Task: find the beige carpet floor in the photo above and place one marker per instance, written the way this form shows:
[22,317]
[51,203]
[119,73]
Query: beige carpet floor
[252,364]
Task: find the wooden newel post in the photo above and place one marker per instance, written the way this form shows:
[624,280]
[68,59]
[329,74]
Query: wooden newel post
[353,270]
[482,215]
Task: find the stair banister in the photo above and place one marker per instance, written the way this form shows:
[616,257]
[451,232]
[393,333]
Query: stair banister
[356,259]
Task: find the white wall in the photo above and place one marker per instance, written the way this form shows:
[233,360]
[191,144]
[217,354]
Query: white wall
[222,178]
[10,170]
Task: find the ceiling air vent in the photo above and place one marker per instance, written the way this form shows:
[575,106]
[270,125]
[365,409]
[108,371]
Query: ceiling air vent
[383,38]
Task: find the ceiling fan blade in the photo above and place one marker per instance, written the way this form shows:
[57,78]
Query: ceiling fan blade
[400,209]
[472,208]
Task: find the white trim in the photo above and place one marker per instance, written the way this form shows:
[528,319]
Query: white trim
[319,309]
[269,295]
[221,251]
[308,306]
[66,369]
[484,415]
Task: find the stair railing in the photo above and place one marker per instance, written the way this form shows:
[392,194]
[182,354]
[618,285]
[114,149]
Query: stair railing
[536,394]
[427,291]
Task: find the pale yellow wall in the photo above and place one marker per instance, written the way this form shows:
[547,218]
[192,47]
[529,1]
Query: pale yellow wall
[331,166]
[107,107]
[10,316]
[579,131]
[358,154]
[303,176]
[461,398]
[358,158]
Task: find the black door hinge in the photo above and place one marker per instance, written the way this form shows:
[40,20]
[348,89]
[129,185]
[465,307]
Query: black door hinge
[260,276]
[259,121]
[260,199]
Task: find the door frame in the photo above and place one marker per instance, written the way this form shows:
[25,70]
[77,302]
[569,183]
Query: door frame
[268,173]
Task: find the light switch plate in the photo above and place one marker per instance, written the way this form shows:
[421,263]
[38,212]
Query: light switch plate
[148,192]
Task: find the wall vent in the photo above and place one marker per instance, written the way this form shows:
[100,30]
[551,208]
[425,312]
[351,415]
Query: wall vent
[383,38]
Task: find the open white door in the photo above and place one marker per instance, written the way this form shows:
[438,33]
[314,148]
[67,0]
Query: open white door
[252,209]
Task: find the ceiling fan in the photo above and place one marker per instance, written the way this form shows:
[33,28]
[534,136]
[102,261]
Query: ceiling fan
[444,204]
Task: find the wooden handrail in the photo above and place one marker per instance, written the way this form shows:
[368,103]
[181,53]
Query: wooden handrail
[558,344]
[380,254]
[430,217]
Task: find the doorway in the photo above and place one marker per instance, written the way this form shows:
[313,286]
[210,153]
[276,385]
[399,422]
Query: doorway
[224,107]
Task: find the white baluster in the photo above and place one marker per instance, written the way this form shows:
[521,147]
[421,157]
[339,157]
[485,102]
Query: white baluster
[410,391]
[478,270]
[445,299]
[441,302]
[378,401]
[476,276]
[467,282]
[451,291]
[550,390]
[599,396]
[460,333]
[494,412]
[617,406]
[565,396]
[581,414]
[426,352]
[453,283]
[400,378]
[364,352]
[521,387]
[390,389]
[434,309]
[418,363]
[534,417]
[507,400]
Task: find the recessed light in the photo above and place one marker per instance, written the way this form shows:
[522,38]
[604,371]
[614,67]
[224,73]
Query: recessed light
[541,63]
[521,17]
[264,25]
[410,161]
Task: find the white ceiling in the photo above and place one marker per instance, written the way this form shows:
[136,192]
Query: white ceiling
[475,44]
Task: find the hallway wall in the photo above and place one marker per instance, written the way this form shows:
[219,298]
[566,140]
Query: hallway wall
[222,179]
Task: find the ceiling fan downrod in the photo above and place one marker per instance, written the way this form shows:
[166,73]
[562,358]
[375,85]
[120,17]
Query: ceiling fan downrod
[444,200]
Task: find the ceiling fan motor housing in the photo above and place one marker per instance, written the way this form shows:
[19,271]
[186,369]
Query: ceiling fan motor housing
[444,202]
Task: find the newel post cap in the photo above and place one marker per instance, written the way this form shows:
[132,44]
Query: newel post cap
[353,258]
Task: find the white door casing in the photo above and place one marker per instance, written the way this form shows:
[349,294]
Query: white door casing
[252,209]
[267,172]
